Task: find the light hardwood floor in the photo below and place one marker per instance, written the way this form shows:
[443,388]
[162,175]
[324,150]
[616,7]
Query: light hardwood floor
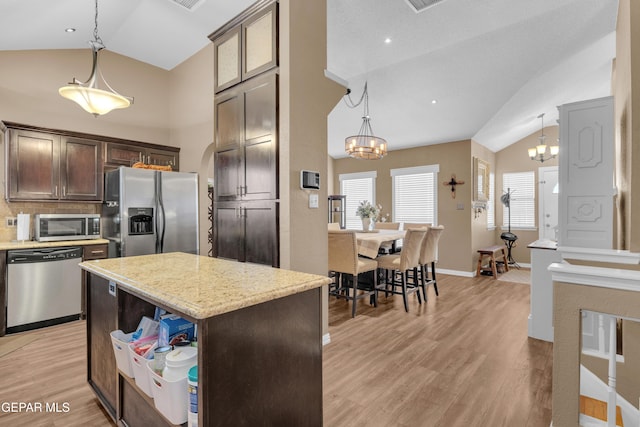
[462,359]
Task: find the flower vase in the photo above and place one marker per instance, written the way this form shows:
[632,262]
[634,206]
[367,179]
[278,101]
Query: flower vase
[366,224]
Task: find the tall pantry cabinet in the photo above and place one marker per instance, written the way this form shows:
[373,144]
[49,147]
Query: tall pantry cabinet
[245,207]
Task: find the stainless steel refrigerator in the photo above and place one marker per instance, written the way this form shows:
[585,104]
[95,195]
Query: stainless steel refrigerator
[147,212]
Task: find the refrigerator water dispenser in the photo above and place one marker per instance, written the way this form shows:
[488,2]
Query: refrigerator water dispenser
[140,221]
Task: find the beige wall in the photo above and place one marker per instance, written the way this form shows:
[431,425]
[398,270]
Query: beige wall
[481,236]
[453,158]
[627,93]
[514,158]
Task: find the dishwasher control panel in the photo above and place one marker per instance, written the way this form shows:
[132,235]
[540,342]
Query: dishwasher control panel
[43,255]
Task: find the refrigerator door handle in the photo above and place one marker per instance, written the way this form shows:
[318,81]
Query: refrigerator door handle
[161,212]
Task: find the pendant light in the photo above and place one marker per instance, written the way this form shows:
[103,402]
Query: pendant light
[87,94]
[539,151]
[364,145]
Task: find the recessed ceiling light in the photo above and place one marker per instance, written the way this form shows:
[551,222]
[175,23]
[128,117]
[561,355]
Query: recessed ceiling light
[387,40]
[434,101]
[69,30]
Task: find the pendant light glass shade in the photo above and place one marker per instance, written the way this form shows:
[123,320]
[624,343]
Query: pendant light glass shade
[365,145]
[87,94]
[539,151]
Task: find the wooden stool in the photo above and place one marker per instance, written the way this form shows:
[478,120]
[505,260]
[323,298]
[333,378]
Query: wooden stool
[494,253]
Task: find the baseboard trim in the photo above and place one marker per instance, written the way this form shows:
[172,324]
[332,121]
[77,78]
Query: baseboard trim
[455,272]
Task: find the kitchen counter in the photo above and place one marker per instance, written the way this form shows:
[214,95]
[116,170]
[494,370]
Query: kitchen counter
[543,253]
[259,336]
[201,286]
[32,244]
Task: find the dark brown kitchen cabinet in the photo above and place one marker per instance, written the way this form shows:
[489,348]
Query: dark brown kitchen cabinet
[120,154]
[45,166]
[246,147]
[81,172]
[246,46]
[247,231]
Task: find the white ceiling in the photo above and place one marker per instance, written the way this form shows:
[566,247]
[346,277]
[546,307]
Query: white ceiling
[492,65]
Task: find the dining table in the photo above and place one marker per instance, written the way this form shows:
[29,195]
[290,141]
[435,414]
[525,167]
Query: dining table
[369,242]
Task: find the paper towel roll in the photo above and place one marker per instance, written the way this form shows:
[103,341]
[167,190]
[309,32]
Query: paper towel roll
[24,229]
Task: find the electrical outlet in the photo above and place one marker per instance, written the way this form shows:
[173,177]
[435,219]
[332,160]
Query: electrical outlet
[460,206]
[11,222]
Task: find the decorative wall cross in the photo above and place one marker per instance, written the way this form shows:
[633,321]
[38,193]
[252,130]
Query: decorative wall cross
[453,184]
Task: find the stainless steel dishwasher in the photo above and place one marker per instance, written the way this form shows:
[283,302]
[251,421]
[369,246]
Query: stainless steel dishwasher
[43,287]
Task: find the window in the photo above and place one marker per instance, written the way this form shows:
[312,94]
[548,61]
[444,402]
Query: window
[521,186]
[357,187]
[491,203]
[415,194]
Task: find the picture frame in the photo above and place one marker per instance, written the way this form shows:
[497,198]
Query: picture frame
[481,172]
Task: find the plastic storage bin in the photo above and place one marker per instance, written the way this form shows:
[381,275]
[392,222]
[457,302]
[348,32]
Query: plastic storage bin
[169,397]
[120,343]
[139,366]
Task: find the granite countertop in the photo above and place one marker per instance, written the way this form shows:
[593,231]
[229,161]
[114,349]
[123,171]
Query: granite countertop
[200,286]
[32,244]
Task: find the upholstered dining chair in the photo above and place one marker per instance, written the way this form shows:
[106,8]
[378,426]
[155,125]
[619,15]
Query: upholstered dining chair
[408,225]
[429,258]
[401,264]
[333,226]
[344,262]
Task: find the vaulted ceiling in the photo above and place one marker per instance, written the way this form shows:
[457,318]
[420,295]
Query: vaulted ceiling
[492,66]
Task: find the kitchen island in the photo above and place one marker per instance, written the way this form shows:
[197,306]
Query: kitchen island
[259,336]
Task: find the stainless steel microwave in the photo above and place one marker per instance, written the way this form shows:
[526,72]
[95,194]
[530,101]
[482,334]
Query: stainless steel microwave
[58,227]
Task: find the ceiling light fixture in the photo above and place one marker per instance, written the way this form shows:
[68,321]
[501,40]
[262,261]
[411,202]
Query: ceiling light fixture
[69,30]
[539,151]
[87,94]
[364,145]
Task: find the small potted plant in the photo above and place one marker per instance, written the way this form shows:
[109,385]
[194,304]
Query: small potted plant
[367,213]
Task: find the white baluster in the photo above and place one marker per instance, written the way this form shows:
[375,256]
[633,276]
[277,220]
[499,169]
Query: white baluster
[601,336]
[611,403]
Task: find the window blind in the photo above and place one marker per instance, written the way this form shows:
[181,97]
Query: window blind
[521,185]
[357,188]
[415,194]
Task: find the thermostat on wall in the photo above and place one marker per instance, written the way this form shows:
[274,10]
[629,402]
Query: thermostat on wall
[310,180]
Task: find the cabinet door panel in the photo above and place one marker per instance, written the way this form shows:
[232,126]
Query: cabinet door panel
[125,155]
[260,108]
[228,118]
[228,168]
[82,173]
[260,171]
[227,60]
[261,246]
[162,158]
[34,165]
[260,48]
[228,241]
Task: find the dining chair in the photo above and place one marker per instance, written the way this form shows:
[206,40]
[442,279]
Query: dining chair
[333,226]
[347,266]
[429,257]
[401,264]
[408,225]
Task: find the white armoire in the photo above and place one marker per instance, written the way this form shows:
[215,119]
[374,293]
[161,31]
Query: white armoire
[586,174]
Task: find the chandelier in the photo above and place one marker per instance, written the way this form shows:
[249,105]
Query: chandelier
[539,152]
[87,94]
[364,145]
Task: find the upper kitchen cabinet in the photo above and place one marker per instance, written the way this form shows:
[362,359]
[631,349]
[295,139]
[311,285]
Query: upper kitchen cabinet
[246,46]
[246,148]
[126,154]
[47,166]
[81,173]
